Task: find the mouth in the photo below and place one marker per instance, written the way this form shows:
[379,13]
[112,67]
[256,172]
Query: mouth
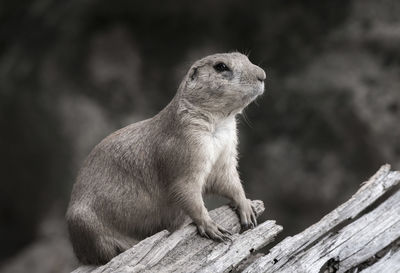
[261,88]
[253,93]
[258,90]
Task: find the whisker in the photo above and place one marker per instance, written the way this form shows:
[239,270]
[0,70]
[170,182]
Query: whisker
[246,119]
[248,53]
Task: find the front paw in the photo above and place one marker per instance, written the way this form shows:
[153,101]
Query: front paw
[212,230]
[247,215]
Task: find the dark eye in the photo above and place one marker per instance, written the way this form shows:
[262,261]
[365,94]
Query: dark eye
[221,67]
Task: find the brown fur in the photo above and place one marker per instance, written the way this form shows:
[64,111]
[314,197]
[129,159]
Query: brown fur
[148,176]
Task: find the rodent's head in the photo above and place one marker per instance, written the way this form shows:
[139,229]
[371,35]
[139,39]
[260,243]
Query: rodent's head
[223,83]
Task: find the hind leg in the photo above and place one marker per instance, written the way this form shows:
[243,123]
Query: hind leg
[93,243]
[107,247]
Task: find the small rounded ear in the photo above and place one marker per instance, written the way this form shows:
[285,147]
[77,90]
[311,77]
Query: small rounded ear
[193,73]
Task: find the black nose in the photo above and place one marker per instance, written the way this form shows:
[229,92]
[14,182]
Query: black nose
[261,75]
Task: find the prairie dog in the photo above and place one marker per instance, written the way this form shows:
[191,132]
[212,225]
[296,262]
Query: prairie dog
[150,175]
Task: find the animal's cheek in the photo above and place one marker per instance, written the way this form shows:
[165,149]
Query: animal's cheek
[236,79]
[218,86]
[234,89]
[192,86]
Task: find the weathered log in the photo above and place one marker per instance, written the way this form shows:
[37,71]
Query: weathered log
[389,263]
[185,251]
[344,238]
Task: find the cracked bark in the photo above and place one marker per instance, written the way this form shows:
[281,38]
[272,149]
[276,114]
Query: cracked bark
[346,237]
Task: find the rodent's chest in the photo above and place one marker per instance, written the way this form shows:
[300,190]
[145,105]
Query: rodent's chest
[221,142]
[222,137]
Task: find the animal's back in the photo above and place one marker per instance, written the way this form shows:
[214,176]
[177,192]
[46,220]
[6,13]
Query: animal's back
[119,153]
[116,194]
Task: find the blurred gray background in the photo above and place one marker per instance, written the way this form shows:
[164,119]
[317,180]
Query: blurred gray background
[71,72]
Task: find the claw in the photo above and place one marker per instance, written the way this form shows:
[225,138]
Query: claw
[254,219]
[218,237]
[245,226]
[214,232]
[247,214]
[202,232]
[227,238]
[224,231]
